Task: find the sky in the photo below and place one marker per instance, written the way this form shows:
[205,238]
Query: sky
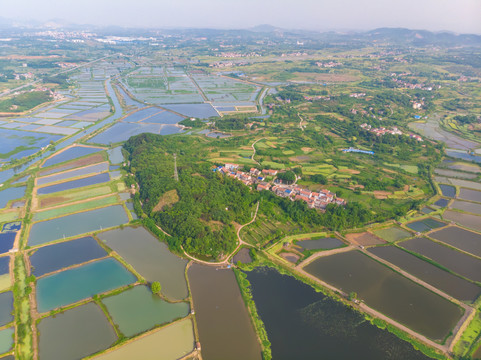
[461,16]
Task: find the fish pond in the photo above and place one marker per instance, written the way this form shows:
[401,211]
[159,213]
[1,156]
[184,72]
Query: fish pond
[149,310]
[6,241]
[448,190]
[55,257]
[74,184]
[70,154]
[69,286]
[6,308]
[459,238]
[76,224]
[10,194]
[320,244]
[468,194]
[460,263]
[466,220]
[302,323]
[388,292]
[224,325]
[455,286]
[468,206]
[75,333]
[169,343]
[6,340]
[88,170]
[115,155]
[442,203]
[150,258]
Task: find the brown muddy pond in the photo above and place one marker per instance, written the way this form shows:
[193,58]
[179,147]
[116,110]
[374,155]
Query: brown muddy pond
[388,292]
[471,207]
[451,284]
[460,263]
[225,328]
[468,194]
[459,238]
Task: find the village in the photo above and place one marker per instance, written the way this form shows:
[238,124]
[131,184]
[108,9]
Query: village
[255,177]
[393,131]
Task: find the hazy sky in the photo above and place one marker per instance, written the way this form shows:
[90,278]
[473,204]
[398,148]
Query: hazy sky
[454,15]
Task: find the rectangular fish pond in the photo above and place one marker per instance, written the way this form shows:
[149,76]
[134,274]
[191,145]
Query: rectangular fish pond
[76,224]
[388,292]
[74,184]
[70,154]
[150,258]
[55,257]
[72,285]
[149,310]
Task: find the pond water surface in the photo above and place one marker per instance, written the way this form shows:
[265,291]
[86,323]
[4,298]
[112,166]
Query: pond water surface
[72,285]
[388,292]
[75,333]
[225,328]
[304,324]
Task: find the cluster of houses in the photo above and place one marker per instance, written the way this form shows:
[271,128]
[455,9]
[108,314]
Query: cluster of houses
[317,200]
[329,64]
[393,131]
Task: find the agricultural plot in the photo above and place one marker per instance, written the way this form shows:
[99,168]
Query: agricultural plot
[71,196]
[320,244]
[392,234]
[364,239]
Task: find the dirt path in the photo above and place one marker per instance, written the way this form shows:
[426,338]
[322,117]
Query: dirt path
[300,122]
[241,242]
[322,254]
[254,148]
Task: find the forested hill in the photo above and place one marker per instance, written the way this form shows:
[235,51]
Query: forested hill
[201,208]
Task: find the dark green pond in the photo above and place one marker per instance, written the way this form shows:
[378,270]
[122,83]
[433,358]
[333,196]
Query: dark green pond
[304,324]
[388,292]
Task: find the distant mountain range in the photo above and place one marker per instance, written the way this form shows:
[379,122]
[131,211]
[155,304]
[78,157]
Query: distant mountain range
[397,36]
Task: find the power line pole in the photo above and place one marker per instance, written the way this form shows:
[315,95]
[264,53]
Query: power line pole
[176,174]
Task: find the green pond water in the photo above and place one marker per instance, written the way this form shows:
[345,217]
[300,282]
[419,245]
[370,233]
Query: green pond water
[388,292]
[76,224]
[137,310]
[74,334]
[151,258]
[79,283]
[6,339]
[225,328]
[169,343]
